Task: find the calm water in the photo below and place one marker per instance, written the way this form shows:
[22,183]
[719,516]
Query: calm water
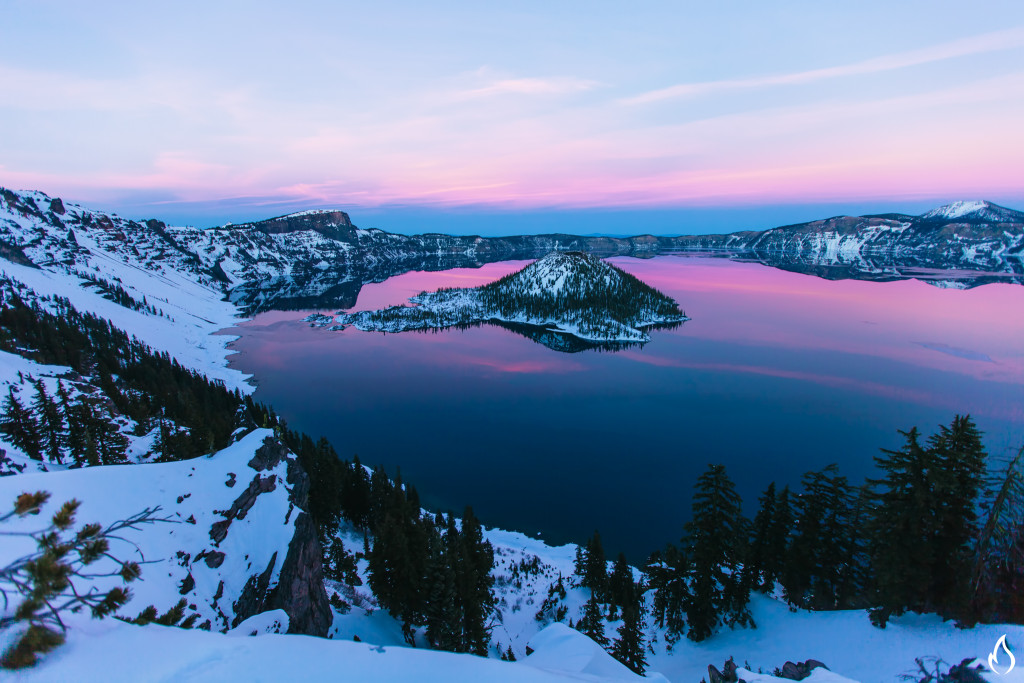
[776,374]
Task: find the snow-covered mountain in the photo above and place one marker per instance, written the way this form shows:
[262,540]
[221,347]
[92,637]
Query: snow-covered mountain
[978,211]
[320,256]
[980,238]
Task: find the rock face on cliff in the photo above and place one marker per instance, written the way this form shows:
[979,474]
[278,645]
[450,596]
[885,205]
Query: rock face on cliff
[237,541]
[300,581]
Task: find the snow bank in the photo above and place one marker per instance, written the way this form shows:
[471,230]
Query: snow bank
[113,652]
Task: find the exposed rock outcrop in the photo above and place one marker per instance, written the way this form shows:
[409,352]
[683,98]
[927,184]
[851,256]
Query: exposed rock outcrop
[299,589]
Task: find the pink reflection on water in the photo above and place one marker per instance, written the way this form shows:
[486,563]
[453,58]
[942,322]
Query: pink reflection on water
[836,381]
[751,303]
[529,367]
[397,290]
[843,332]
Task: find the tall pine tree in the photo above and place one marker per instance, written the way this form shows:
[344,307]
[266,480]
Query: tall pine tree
[20,425]
[629,646]
[714,546]
[902,554]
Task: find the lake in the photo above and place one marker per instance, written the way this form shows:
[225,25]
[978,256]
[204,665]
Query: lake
[776,374]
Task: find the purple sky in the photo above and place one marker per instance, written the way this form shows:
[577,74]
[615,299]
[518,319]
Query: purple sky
[581,116]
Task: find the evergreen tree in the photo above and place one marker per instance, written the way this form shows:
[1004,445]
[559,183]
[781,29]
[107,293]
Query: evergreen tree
[338,563]
[476,583]
[397,562]
[621,589]
[595,568]
[356,496]
[444,614]
[901,529]
[778,540]
[959,461]
[758,564]
[629,646]
[74,437]
[668,574]
[998,569]
[20,425]
[592,622]
[712,537]
[51,423]
[821,569]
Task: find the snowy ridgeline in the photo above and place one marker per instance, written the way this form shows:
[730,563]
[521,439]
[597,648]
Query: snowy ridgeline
[567,292]
[121,271]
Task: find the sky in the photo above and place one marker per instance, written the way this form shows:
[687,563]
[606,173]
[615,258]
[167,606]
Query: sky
[497,118]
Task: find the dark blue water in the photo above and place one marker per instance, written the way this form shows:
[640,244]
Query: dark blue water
[776,374]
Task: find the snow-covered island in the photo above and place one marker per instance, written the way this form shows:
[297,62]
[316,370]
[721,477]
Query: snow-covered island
[570,292]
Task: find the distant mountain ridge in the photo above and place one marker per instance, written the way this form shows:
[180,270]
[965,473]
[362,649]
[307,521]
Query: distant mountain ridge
[321,259]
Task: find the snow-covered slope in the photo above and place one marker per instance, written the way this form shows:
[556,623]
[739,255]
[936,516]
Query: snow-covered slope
[168,300]
[978,211]
[116,653]
[980,238]
[236,541]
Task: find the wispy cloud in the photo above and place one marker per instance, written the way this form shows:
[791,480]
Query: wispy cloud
[989,42]
[533,86]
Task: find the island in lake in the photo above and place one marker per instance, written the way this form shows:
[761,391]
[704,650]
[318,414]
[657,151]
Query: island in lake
[568,301]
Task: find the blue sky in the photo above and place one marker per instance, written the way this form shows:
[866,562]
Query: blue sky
[487,118]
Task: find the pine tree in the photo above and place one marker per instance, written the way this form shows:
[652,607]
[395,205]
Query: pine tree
[595,568]
[476,583]
[758,563]
[821,557]
[592,622]
[958,478]
[777,543]
[621,589]
[901,530]
[629,646]
[712,540]
[356,495]
[397,561]
[74,438]
[998,569]
[111,444]
[668,576]
[444,615]
[51,423]
[21,426]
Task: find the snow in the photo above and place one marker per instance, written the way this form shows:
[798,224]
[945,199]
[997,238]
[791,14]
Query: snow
[559,647]
[844,640]
[977,210]
[196,313]
[957,209]
[187,490]
[272,621]
[818,675]
[113,652]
